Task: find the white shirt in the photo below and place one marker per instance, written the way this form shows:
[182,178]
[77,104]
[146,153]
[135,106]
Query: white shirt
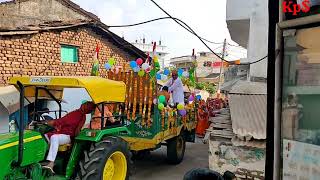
[176,87]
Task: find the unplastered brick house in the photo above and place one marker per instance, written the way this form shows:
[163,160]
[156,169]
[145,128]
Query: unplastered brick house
[60,42]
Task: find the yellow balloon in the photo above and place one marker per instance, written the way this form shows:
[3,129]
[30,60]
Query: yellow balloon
[155,59]
[180,106]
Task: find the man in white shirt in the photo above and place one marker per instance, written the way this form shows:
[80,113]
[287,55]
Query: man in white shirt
[176,88]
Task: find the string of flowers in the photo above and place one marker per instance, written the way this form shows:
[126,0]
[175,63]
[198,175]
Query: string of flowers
[149,122]
[135,92]
[130,94]
[141,80]
[145,104]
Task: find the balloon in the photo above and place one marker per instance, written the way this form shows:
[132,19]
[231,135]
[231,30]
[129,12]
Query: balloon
[111,61]
[139,61]
[136,69]
[166,72]
[107,66]
[191,98]
[180,71]
[141,73]
[162,99]
[133,64]
[152,73]
[182,112]
[155,101]
[155,59]
[164,77]
[180,106]
[145,66]
[156,64]
[198,97]
[159,76]
[148,70]
[160,106]
[185,74]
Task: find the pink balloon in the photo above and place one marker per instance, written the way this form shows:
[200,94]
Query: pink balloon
[139,61]
[155,101]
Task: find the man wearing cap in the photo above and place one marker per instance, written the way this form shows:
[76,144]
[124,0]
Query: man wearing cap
[176,88]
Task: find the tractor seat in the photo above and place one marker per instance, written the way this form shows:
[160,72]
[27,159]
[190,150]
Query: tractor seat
[64,147]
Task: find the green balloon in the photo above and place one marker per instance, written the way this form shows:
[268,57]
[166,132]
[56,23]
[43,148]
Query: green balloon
[156,64]
[141,73]
[111,61]
[152,73]
[160,106]
[162,99]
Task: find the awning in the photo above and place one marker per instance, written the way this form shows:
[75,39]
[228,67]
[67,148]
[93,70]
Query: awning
[9,98]
[248,107]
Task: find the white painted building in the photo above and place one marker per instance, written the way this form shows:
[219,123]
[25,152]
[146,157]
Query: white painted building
[161,50]
[247,21]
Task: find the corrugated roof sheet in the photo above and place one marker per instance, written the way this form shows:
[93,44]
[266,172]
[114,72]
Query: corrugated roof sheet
[248,115]
[247,87]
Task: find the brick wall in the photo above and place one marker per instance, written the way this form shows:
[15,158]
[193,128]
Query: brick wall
[39,54]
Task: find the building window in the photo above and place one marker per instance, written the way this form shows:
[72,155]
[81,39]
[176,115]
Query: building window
[300,125]
[69,54]
[203,54]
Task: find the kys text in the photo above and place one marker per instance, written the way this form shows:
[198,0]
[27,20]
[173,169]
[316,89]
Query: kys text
[294,8]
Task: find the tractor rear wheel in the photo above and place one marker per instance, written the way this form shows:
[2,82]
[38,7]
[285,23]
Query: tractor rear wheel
[175,149]
[108,159]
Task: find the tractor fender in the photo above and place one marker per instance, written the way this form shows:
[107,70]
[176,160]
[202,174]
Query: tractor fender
[96,135]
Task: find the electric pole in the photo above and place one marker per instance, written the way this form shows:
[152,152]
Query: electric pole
[221,67]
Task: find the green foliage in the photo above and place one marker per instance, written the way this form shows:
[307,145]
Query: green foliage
[210,87]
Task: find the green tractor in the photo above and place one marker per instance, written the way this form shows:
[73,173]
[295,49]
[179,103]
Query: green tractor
[93,154]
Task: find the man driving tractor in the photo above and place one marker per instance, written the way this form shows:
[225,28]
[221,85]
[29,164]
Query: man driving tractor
[66,128]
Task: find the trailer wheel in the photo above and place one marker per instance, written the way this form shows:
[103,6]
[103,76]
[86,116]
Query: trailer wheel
[108,159]
[175,149]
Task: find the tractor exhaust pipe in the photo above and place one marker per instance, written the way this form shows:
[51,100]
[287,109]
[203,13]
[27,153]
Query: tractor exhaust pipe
[21,124]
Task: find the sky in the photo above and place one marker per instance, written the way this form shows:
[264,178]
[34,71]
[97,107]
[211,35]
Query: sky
[206,17]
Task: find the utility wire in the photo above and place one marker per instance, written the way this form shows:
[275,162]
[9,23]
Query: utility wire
[162,18]
[185,26]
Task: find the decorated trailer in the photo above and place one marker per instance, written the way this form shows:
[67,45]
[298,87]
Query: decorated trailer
[151,126]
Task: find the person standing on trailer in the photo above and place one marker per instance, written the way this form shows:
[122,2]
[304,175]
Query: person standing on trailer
[176,88]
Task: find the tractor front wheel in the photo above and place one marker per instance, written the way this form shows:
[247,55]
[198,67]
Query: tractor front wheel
[175,149]
[108,159]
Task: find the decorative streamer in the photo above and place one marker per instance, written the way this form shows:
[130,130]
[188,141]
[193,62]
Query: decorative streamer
[141,80]
[130,92]
[135,92]
[150,103]
[145,103]
[127,93]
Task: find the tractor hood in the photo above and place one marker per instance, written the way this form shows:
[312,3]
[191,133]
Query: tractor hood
[11,139]
[34,150]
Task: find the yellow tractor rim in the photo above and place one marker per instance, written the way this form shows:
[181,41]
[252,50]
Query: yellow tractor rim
[115,167]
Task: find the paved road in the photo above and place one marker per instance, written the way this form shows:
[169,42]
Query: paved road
[154,167]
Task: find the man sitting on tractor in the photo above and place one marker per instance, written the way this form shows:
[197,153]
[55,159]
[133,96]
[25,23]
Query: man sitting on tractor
[66,128]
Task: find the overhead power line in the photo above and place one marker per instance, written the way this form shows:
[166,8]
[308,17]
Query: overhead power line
[162,18]
[185,26]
